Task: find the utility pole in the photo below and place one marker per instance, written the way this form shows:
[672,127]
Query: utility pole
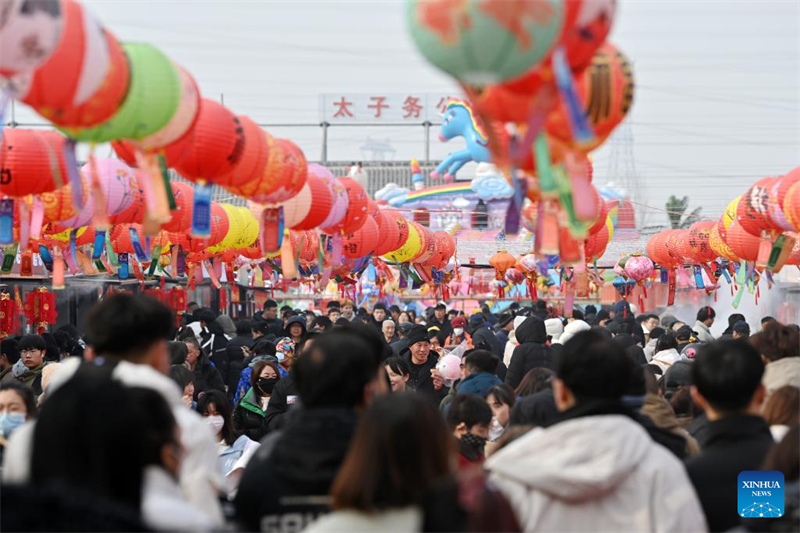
[427,125]
[324,157]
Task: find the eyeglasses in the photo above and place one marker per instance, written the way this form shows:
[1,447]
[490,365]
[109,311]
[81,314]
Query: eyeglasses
[29,350]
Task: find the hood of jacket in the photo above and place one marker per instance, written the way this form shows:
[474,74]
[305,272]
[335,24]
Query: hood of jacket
[572,329]
[478,383]
[667,356]
[297,319]
[532,330]
[564,467]
[311,450]
[659,411]
[782,372]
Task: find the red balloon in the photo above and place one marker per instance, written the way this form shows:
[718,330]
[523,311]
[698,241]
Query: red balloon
[356,208]
[182,214]
[213,147]
[253,157]
[363,241]
[321,203]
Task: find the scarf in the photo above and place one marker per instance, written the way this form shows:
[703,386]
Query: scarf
[472,447]
[24,374]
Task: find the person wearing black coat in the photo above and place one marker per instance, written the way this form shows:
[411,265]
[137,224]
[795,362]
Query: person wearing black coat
[421,360]
[284,395]
[634,351]
[206,376]
[532,351]
[483,337]
[727,386]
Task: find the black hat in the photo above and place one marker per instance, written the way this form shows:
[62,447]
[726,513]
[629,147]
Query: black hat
[333,304]
[379,305]
[504,319]
[269,304]
[602,315]
[417,334]
[440,306]
[742,327]
[685,333]
[404,328]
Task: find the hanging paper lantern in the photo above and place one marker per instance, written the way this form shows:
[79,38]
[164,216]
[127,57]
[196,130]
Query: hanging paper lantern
[295,210]
[410,247]
[699,249]
[117,182]
[729,215]
[363,241]
[673,245]
[752,210]
[284,174]
[388,232]
[482,42]
[151,101]
[249,231]
[639,268]
[515,276]
[791,206]
[234,231]
[180,217]
[219,228]
[120,237]
[427,244]
[606,90]
[253,159]
[213,146]
[356,213]
[29,35]
[27,163]
[502,261]
[134,214]
[339,206]
[58,205]
[321,199]
[595,245]
[777,199]
[74,71]
[718,245]
[743,244]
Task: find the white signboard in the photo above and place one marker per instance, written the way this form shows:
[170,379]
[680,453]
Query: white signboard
[343,108]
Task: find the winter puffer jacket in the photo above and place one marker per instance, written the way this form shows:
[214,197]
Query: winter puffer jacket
[290,476]
[587,474]
[249,418]
[478,384]
[531,352]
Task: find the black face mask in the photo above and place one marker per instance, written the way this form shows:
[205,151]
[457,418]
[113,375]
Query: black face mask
[266,384]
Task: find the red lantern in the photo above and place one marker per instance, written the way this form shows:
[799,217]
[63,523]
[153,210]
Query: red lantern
[388,232]
[284,174]
[742,243]
[321,203]
[181,216]
[606,90]
[8,315]
[363,241]
[752,213]
[26,163]
[40,309]
[212,148]
[672,243]
[310,250]
[595,245]
[601,219]
[120,237]
[699,248]
[356,208]
[428,244]
[253,157]
[777,199]
[126,151]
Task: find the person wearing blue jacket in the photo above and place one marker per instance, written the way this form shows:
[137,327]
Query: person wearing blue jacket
[477,373]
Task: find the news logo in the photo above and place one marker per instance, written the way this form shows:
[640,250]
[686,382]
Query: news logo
[761,494]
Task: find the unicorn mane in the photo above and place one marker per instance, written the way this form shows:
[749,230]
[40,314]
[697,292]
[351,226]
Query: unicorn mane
[454,102]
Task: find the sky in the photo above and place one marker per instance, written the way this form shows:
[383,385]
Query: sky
[716,105]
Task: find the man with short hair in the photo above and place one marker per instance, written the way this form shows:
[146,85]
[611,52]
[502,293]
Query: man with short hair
[727,385]
[269,316]
[440,320]
[285,485]
[705,319]
[483,336]
[401,344]
[378,315]
[9,355]
[394,313]
[468,417]
[596,468]
[740,330]
[127,336]
[477,373]
[206,375]
[421,363]
[505,324]
[27,369]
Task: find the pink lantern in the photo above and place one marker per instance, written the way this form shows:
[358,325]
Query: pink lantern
[339,208]
[514,275]
[117,181]
[297,208]
[639,267]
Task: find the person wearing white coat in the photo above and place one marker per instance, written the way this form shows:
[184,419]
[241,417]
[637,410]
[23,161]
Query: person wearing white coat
[597,469]
[666,353]
[512,340]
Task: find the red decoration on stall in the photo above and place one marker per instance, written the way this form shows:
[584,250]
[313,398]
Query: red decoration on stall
[8,315]
[40,308]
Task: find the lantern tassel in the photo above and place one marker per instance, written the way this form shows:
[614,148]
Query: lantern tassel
[578,118]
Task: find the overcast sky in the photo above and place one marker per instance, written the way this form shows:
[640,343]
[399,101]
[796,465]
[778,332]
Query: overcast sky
[717,101]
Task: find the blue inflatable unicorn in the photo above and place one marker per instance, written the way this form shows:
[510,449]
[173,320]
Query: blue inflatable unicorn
[459,121]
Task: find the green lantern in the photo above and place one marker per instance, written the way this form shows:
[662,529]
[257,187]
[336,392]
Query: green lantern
[152,98]
[485,41]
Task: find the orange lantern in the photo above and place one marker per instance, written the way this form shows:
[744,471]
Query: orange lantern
[752,213]
[698,242]
[181,216]
[718,245]
[742,243]
[27,163]
[363,241]
[284,174]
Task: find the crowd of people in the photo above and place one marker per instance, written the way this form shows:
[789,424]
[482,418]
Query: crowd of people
[340,419]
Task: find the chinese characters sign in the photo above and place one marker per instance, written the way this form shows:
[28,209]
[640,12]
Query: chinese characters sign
[338,108]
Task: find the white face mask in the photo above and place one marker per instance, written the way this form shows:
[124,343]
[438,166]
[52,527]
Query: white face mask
[215,422]
[495,430]
[458,331]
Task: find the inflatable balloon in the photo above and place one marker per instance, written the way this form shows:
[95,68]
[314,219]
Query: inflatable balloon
[481,42]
